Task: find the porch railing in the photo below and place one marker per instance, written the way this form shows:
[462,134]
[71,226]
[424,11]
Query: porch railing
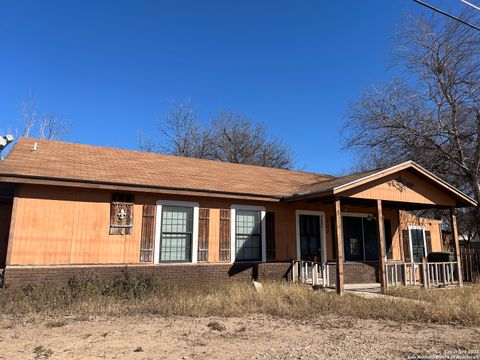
[311,272]
[426,274]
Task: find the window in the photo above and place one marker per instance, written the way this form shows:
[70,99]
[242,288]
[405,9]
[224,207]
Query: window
[248,235]
[360,236]
[176,234]
[417,243]
[121,214]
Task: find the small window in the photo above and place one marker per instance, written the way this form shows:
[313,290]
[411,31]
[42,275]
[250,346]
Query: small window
[121,214]
[248,235]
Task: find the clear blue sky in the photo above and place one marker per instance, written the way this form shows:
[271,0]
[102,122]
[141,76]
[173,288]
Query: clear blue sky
[113,67]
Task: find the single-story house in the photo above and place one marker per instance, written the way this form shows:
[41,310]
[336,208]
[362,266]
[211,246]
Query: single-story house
[71,209]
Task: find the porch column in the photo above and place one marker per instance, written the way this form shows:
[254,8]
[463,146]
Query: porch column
[381,245]
[339,236]
[453,221]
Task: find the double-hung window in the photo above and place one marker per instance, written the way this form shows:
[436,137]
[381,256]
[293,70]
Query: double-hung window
[248,235]
[417,243]
[176,238]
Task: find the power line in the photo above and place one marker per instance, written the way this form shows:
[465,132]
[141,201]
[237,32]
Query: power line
[470,4]
[447,14]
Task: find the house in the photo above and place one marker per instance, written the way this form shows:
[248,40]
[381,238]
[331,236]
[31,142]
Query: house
[71,209]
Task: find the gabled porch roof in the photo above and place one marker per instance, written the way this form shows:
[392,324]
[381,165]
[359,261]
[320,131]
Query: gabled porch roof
[407,182]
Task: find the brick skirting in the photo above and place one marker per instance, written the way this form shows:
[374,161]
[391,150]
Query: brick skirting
[356,273]
[184,274]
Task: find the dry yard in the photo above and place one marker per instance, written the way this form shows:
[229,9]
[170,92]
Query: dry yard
[252,337]
[138,318]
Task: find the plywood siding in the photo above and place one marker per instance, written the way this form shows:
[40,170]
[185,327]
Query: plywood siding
[69,226]
[405,187]
[431,225]
[54,225]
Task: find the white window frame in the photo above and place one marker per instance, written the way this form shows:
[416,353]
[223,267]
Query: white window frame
[158,228]
[323,232]
[363,215]
[416,227]
[233,230]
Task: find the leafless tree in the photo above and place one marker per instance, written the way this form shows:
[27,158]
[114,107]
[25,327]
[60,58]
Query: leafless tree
[183,134]
[51,127]
[431,113]
[146,143]
[45,126]
[228,137]
[236,139]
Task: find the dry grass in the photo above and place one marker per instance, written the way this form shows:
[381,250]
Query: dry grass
[128,295]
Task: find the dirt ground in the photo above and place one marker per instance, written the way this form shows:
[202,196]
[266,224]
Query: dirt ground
[255,337]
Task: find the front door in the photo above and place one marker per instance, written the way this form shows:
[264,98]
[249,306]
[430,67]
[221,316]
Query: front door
[310,244]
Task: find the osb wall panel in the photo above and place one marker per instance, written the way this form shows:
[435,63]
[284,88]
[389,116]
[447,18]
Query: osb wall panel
[404,186]
[54,225]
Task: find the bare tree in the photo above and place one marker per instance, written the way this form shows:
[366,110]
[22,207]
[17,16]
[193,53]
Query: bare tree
[146,143]
[228,137]
[51,127]
[183,134]
[238,140]
[432,113]
[45,126]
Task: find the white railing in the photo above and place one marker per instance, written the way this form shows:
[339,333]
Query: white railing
[417,273]
[311,272]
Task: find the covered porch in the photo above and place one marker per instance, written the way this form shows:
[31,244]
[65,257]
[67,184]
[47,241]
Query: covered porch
[390,252]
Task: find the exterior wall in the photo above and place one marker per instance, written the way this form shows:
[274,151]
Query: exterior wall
[432,225]
[405,187]
[68,226]
[192,275]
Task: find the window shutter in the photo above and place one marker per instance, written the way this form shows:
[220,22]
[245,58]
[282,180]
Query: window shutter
[224,235]
[121,218]
[406,245]
[148,233]
[203,234]
[428,240]
[270,235]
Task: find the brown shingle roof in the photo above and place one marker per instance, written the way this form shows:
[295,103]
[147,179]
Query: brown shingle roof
[77,162]
[330,184]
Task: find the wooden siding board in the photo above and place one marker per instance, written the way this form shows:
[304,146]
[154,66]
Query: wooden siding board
[414,190]
[80,222]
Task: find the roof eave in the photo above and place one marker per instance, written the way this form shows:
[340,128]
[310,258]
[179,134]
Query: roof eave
[37,180]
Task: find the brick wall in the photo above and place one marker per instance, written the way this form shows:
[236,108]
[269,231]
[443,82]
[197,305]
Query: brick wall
[356,273]
[188,274]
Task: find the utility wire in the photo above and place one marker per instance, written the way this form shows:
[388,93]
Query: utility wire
[447,14]
[470,4]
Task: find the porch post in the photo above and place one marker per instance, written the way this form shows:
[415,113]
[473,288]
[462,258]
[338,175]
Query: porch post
[453,221]
[339,235]
[381,245]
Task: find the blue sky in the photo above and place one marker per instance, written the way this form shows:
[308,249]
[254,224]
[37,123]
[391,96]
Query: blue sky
[114,67]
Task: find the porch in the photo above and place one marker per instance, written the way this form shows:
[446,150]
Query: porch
[400,189]
[424,274]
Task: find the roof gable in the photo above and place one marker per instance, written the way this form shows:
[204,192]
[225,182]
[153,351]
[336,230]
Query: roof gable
[405,182]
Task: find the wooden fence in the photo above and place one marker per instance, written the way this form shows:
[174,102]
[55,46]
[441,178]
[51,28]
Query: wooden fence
[470,264]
